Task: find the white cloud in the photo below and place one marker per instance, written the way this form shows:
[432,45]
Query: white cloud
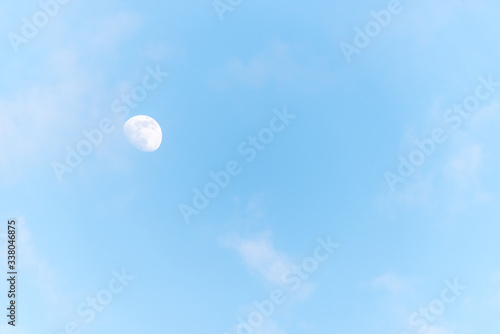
[390,282]
[261,257]
[27,127]
[436,330]
[277,63]
[44,276]
[494,299]
[38,118]
[38,275]
[452,178]
[426,19]
[487,116]
[269,327]
[8,329]
[113,30]
[463,168]
[163,51]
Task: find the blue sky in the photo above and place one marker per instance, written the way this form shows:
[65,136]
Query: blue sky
[322,177]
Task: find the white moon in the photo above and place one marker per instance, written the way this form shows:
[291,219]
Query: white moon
[143,132]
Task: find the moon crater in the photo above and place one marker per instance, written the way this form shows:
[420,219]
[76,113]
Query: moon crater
[143,132]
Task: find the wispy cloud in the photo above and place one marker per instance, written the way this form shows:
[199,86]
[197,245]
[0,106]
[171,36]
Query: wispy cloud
[27,127]
[453,177]
[260,256]
[463,168]
[390,282]
[37,272]
[113,30]
[436,330]
[277,63]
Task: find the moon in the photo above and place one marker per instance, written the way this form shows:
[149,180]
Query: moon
[143,132]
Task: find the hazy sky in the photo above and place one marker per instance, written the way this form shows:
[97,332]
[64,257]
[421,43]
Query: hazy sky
[306,135]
